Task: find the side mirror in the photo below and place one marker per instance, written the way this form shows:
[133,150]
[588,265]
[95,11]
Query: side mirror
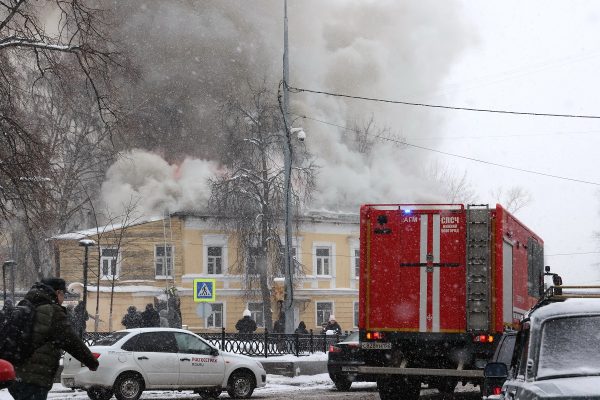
[214,352]
[495,370]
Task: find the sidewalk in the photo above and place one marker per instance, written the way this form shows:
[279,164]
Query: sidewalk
[291,366]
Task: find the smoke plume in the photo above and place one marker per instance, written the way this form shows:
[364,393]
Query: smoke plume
[193,56]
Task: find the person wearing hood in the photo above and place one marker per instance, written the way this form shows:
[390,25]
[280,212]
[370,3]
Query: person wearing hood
[52,333]
[301,329]
[246,324]
[150,317]
[133,319]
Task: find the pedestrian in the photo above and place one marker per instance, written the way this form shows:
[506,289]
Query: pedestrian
[133,319]
[79,316]
[301,329]
[150,316]
[164,321]
[246,324]
[52,333]
[8,304]
[332,325]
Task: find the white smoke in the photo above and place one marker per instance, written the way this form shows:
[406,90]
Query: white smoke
[374,48]
[151,184]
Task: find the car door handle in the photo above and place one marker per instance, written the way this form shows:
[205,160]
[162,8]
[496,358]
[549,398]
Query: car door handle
[143,358]
[184,359]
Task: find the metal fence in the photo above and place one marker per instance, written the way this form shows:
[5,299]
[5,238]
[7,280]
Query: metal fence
[258,344]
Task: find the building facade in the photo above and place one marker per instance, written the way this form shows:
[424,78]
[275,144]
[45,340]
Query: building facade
[136,263]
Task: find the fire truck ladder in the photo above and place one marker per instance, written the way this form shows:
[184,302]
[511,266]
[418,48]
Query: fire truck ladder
[478,267]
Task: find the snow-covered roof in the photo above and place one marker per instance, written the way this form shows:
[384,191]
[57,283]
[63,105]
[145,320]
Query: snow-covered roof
[77,235]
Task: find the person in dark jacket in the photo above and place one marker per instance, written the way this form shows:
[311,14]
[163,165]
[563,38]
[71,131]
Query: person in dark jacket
[246,324]
[52,332]
[79,317]
[332,325]
[133,319]
[150,317]
[301,329]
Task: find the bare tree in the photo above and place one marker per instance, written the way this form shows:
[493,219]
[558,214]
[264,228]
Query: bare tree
[249,195]
[365,134]
[455,187]
[55,110]
[513,199]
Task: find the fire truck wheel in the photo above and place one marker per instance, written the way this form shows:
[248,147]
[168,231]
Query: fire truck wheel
[342,383]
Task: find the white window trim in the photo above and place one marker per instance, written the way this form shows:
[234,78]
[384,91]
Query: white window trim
[317,310]
[263,312]
[172,260]
[332,258]
[297,243]
[354,245]
[215,241]
[118,271]
[223,316]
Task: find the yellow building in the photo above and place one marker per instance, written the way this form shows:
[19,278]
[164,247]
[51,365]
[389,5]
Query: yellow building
[144,258]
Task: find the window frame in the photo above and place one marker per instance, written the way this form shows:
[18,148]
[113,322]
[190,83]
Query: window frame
[117,261]
[317,311]
[256,309]
[332,259]
[165,257]
[214,258]
[214,240]
[222,312]
[355,313]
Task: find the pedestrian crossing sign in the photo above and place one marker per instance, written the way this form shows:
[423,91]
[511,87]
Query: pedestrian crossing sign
[204,290]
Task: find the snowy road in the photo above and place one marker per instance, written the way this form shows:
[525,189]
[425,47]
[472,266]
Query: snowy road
[279,387]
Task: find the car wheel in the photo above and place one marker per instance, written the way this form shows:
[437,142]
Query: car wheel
[342,383]
[99,393]
[209,394]
[241,385]
[128,386]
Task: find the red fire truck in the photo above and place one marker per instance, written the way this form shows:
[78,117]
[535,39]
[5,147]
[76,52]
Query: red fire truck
[439,283]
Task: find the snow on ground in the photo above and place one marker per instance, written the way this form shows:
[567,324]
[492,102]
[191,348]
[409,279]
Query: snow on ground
[275,384]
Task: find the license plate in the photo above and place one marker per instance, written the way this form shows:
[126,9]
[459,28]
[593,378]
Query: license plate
[68,382]
[376,345]
[350,369]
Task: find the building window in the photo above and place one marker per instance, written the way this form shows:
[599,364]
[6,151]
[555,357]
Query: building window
[254,259]
[109,263]
[215,261]
[215,319]
[356,262]
[257,313]
[214,254]
[323,260]
[324,310]
[163,260]
[355,322]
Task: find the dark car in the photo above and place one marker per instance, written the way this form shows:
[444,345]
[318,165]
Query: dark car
[343,360]
[503,354]
[555,355]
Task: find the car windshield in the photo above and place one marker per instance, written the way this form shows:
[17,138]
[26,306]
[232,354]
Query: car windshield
[569,347]
[111,339]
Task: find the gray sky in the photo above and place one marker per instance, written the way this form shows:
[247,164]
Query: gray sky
[539,57]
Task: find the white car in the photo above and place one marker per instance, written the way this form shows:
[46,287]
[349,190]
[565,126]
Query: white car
[134,360]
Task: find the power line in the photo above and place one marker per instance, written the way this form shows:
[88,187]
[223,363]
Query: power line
[408,103]
[460,156]
[572,254]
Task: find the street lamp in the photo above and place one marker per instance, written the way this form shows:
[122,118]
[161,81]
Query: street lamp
[9,263]
[86,243]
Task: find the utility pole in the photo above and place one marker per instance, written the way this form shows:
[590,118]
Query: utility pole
[86,243]
[288,304]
